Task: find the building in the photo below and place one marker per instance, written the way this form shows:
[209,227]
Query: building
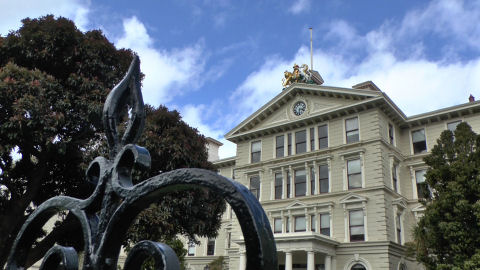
[339,172]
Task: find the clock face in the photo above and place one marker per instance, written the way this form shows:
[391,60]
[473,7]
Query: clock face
[299,108]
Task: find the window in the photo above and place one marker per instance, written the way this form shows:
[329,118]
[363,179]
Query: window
[312,180]
[277,225]
[452,126]
[358,267]
[256,151]
[255,186]
[288,184]
[287,224]
[323,178]
[278,185]
[313,222]
[357,230]
[390,133]
[312,139]
[229,240]
[354,174]
[191,248]
[351,130]
[300,224]
[325,224]
[211,247]
[394,178]
[301,142]
[422,187]
[399,228]
[300,183]
[402,267]
[418,141]
[289,143]
[279,146]
[322,136]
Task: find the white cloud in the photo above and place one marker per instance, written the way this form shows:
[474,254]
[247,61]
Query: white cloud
[195,115]
[299,6]
[12,12]
[167,72]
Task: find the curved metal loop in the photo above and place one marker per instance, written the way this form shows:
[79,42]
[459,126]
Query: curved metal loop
[26,236]
[129,157]
[126,92]
[59,257]
[163,255]
[259,241]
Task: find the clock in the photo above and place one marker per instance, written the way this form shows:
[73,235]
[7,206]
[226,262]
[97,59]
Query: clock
[299,108]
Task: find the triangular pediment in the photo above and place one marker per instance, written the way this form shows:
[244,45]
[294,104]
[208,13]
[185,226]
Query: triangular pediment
[313,100]
[401,202]
[419,208]
[353,198]
[296,204]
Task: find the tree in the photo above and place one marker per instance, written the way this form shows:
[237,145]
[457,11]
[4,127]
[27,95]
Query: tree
[448,235]
[53,82]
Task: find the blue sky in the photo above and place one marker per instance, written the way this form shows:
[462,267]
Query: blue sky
[217,61]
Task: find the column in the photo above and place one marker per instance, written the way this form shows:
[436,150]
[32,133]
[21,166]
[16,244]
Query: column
[317,177]
[284,184]
[243,260]
[334,262]
[328,262]
[307,136]
[310,260]
[288,260]
[272,186]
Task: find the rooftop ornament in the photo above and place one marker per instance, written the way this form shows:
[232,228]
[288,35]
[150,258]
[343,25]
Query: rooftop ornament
[305,75]
[107,214]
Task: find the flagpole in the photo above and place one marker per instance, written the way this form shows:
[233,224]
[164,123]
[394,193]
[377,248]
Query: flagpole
[311,49]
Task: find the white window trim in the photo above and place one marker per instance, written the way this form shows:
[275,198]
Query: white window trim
[394,135]
[411,139]
[345,128]
[357,259]
[414,180]
[214,247]
[452,121]
[352,204]
[317,142]
[394,161]
[250,151]
[357,154]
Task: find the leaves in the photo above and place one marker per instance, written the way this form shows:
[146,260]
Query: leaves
[448,235]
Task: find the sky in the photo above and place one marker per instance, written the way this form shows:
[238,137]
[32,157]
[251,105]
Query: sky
[218,61]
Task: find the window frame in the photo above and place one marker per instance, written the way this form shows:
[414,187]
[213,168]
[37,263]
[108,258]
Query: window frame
[423,184]
[295,218]
[210,247]
[255,191]
[312,139]
[275,220]
[289,144]
[302,144]
[322,138]
[349,186]
[282,147]
[398,225]
[276,185]
[414,151]
[259,152]
[300,183]
[350,226]
[395,177]
[313,179]
[391,134]
[325,230]
[323,179]
[352,131]
[191,245]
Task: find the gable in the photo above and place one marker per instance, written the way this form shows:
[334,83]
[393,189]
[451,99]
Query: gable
[318,100]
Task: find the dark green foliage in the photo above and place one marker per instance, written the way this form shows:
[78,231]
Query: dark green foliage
[53,82]
[218,264]
[448,236]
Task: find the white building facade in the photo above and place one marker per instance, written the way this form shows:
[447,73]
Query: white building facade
[339,172]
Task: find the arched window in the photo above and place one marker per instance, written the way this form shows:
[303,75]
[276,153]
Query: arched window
[358,267]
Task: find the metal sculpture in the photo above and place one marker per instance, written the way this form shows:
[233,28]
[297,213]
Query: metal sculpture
[107,214]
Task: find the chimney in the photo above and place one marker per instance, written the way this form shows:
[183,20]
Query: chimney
[471,98]
[212,148]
